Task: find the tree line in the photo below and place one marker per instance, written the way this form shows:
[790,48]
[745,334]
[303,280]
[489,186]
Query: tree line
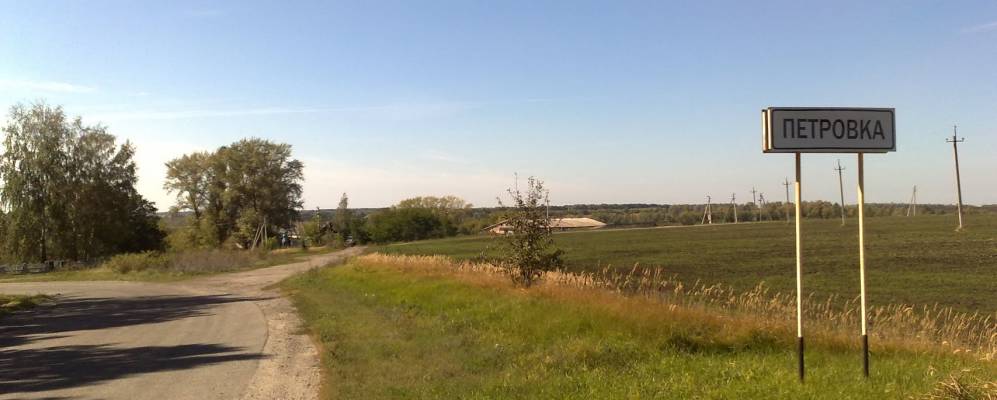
[69,190]
[69,193]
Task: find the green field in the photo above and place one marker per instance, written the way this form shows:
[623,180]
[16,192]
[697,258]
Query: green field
[920,261]
[388,331]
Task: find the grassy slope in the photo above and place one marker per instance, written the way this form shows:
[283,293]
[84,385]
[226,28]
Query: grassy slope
[101,273]
[388,334]
[910,260]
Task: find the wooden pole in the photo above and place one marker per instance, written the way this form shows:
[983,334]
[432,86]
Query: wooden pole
[958,182]
[865,314]
[754,202]
[733,204]
[799,273]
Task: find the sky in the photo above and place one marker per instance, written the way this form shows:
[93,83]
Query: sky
[607,102]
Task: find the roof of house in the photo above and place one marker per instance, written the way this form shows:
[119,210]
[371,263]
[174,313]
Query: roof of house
[561,223]
[575,223]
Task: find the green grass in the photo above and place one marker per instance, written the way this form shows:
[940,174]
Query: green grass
[10,303]
[400,335]
[918,260]
[103,273]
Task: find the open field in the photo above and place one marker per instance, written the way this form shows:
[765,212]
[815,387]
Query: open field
[402,328]
[918,261]
[193,264]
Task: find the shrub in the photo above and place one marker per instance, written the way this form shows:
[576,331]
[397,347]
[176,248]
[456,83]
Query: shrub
[187,262]
[137,262]
[209,261]
[530,248]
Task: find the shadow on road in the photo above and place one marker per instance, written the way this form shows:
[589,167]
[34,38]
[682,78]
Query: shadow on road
[49,368]
[34,370]
[79,314]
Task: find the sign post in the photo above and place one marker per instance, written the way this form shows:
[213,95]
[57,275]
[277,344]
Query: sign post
[797,187]
[829,130]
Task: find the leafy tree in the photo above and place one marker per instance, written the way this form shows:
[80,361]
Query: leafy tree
[451,210]
[69,189]
[312,230]
[343,220]
[404,224]
[238,188]
[530,247]
[189,176]
[415,219]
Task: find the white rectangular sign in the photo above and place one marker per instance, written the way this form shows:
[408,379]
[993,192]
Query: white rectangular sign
[828,130]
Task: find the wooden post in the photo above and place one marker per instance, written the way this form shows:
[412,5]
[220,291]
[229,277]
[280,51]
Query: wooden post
[958,182]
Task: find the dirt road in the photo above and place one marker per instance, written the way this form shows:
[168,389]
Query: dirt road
[220,337]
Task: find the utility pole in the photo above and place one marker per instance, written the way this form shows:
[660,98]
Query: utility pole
[841,190]
[733,204]
[708,212]
[958,183]
[912,208]
[786,184]
[547,200]
[754,202]
[761,202]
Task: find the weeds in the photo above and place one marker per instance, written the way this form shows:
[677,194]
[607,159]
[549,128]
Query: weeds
[12,303]
[430,327]
[831,321]
[956,387]
[187,262]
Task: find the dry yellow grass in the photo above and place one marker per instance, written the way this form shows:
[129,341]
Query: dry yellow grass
[651,296]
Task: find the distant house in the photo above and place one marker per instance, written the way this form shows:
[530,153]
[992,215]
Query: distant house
[556,224]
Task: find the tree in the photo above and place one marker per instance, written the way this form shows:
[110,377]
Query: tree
[238,188]
[451,210]
[404,224]
[189,176]
[343,220]
[530,247]
[69,189]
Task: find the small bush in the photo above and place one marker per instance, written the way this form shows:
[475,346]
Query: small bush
[186,262]
[209,261]
[137,262]
[529,247]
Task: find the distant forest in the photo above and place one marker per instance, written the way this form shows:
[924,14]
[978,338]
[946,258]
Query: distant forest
[647,215]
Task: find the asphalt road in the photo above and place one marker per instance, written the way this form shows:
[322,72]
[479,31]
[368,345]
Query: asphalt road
[220,337]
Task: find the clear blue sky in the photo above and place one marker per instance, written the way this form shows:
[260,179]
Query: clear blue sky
[607,101]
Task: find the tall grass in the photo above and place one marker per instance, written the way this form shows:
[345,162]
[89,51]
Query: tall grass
[186,262]
[830,321]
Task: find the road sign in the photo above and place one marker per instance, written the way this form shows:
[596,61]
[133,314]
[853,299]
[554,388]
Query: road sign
[828,130]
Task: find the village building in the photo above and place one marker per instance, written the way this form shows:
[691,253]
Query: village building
[556,224]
